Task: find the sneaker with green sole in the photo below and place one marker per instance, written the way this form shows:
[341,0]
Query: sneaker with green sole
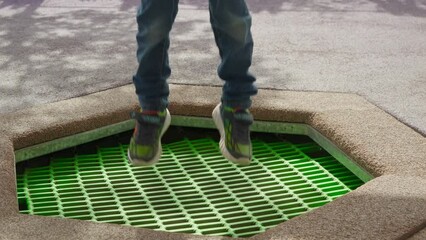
[234,128]
[145,145]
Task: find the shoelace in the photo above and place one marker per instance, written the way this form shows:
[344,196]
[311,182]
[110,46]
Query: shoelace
[242,121]
[150,123]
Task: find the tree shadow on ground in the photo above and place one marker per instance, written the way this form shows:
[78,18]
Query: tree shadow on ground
[129,4]
[415,8]
[399,8]
[47,56]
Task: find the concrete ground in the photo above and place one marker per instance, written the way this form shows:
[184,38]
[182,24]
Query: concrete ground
[313,53]
[52,50]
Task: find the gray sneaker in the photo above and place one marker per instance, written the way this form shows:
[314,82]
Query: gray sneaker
[234,127]
[145,145]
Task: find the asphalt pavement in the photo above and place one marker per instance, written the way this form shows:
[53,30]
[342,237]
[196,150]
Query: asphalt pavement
[52,50]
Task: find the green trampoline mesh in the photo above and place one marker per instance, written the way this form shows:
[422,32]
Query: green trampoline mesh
[193,189]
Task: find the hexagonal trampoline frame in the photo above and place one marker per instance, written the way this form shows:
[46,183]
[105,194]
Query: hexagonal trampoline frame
[393,205]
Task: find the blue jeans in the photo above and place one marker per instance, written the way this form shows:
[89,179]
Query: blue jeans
[230,21]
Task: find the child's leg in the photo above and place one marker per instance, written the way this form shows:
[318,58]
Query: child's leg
[155,19]
[231,22]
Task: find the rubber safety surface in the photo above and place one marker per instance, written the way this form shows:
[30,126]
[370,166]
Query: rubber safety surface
[193,189]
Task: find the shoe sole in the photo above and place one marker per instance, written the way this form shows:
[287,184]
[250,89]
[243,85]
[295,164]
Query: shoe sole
[139,162]
[217,118]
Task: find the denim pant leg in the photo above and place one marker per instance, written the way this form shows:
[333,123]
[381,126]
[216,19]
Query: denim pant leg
[231,23]
[155,19]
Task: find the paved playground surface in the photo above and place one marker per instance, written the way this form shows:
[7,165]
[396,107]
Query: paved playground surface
[52,50]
